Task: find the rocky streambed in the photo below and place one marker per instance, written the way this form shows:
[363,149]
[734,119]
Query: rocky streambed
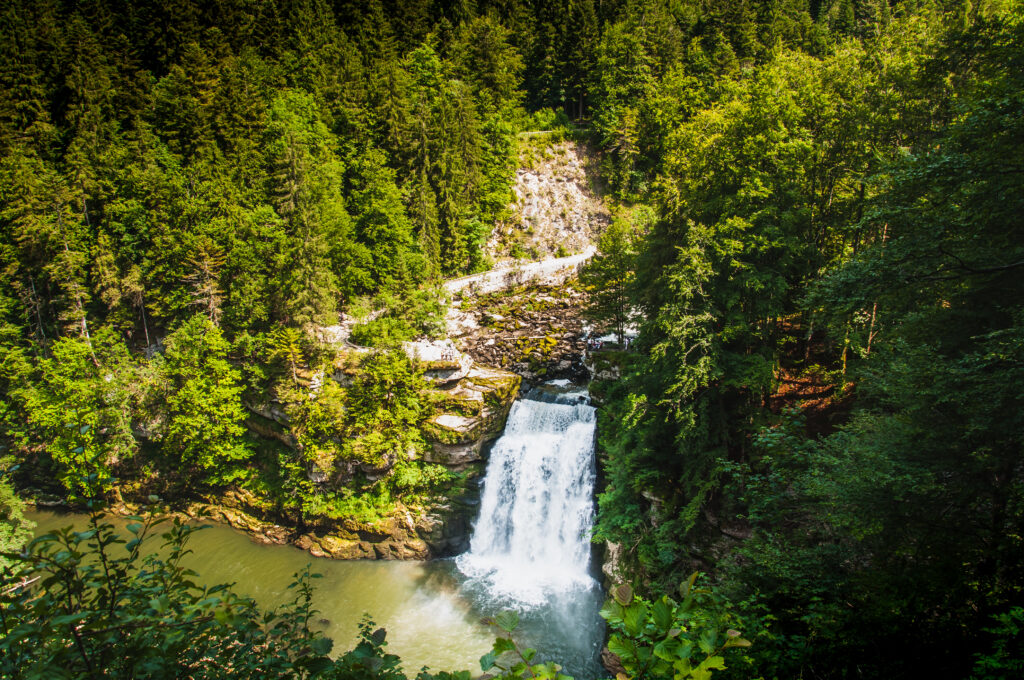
[535,331]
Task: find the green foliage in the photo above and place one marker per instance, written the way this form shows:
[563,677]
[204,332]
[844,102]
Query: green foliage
[419,313]
[286,344]
[809,216]
[15,529]
[357,445]
[610,275]
[80,406]
[669,639]
[509,661]
[1006,659]
[384,409]
[202,398]
[545,120]
[93,602]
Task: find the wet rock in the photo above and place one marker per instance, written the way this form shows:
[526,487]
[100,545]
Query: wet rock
[611,563]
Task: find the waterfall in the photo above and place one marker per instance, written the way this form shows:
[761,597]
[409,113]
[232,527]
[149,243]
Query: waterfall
[532,539]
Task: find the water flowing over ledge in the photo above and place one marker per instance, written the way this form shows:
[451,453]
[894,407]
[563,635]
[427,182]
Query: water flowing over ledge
[531,543]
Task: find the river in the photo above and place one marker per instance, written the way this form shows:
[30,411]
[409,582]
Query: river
[529,553]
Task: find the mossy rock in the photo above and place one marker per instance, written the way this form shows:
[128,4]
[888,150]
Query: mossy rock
[451,429]
[498,386]
[460,401]
[345,549]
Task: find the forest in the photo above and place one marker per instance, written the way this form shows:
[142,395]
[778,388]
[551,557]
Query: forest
[817,231]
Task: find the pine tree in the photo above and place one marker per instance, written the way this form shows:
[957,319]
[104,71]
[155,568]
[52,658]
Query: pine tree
[203,406]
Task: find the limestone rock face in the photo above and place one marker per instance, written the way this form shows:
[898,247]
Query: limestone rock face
[442,363]
[558,203]
[455,456]
[472,412]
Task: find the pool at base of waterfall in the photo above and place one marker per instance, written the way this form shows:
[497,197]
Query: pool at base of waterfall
[531,547]
[530,552]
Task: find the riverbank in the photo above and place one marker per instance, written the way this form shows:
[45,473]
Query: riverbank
[410,533]
[429,618]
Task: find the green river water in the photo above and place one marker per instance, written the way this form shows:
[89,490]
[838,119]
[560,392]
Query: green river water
[431,612]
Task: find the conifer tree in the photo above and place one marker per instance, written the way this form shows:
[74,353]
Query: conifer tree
[202,438]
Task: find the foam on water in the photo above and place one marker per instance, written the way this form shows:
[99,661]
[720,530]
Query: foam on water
[531,543]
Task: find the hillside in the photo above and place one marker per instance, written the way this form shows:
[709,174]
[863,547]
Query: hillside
[558,209]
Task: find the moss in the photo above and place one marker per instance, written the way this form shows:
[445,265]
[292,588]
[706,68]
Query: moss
[459,402]
[498,387]
[437,432]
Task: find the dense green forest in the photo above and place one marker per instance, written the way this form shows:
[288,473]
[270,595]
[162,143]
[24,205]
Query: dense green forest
[818,232]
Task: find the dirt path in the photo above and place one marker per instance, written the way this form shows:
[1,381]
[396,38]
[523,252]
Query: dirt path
[551,271]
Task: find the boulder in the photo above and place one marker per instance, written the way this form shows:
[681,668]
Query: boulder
[472,413]
[442,363]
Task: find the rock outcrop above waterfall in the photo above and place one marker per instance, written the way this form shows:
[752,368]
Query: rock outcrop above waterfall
[536,332]
[474,411]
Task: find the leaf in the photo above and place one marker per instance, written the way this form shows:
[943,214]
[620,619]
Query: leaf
[316,665]
[623,594]
[321,645]
[737,642]
[67,619]
[487,661]
[634,619]
[134,527]
[507,620]
[160,604]
[708,640]
[687,586]
[620,648]
[611,611]
[667,650]
[715,662]
[662,614]
[502,645]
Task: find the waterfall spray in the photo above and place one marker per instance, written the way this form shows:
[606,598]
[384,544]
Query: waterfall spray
[532,539]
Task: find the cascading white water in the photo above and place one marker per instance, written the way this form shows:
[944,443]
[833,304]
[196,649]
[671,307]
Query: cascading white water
[532,540]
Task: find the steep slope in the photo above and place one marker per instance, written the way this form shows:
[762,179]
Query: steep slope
[559,209]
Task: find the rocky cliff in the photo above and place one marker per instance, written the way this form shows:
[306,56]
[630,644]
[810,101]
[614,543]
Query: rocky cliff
[470,403]
[558,209]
